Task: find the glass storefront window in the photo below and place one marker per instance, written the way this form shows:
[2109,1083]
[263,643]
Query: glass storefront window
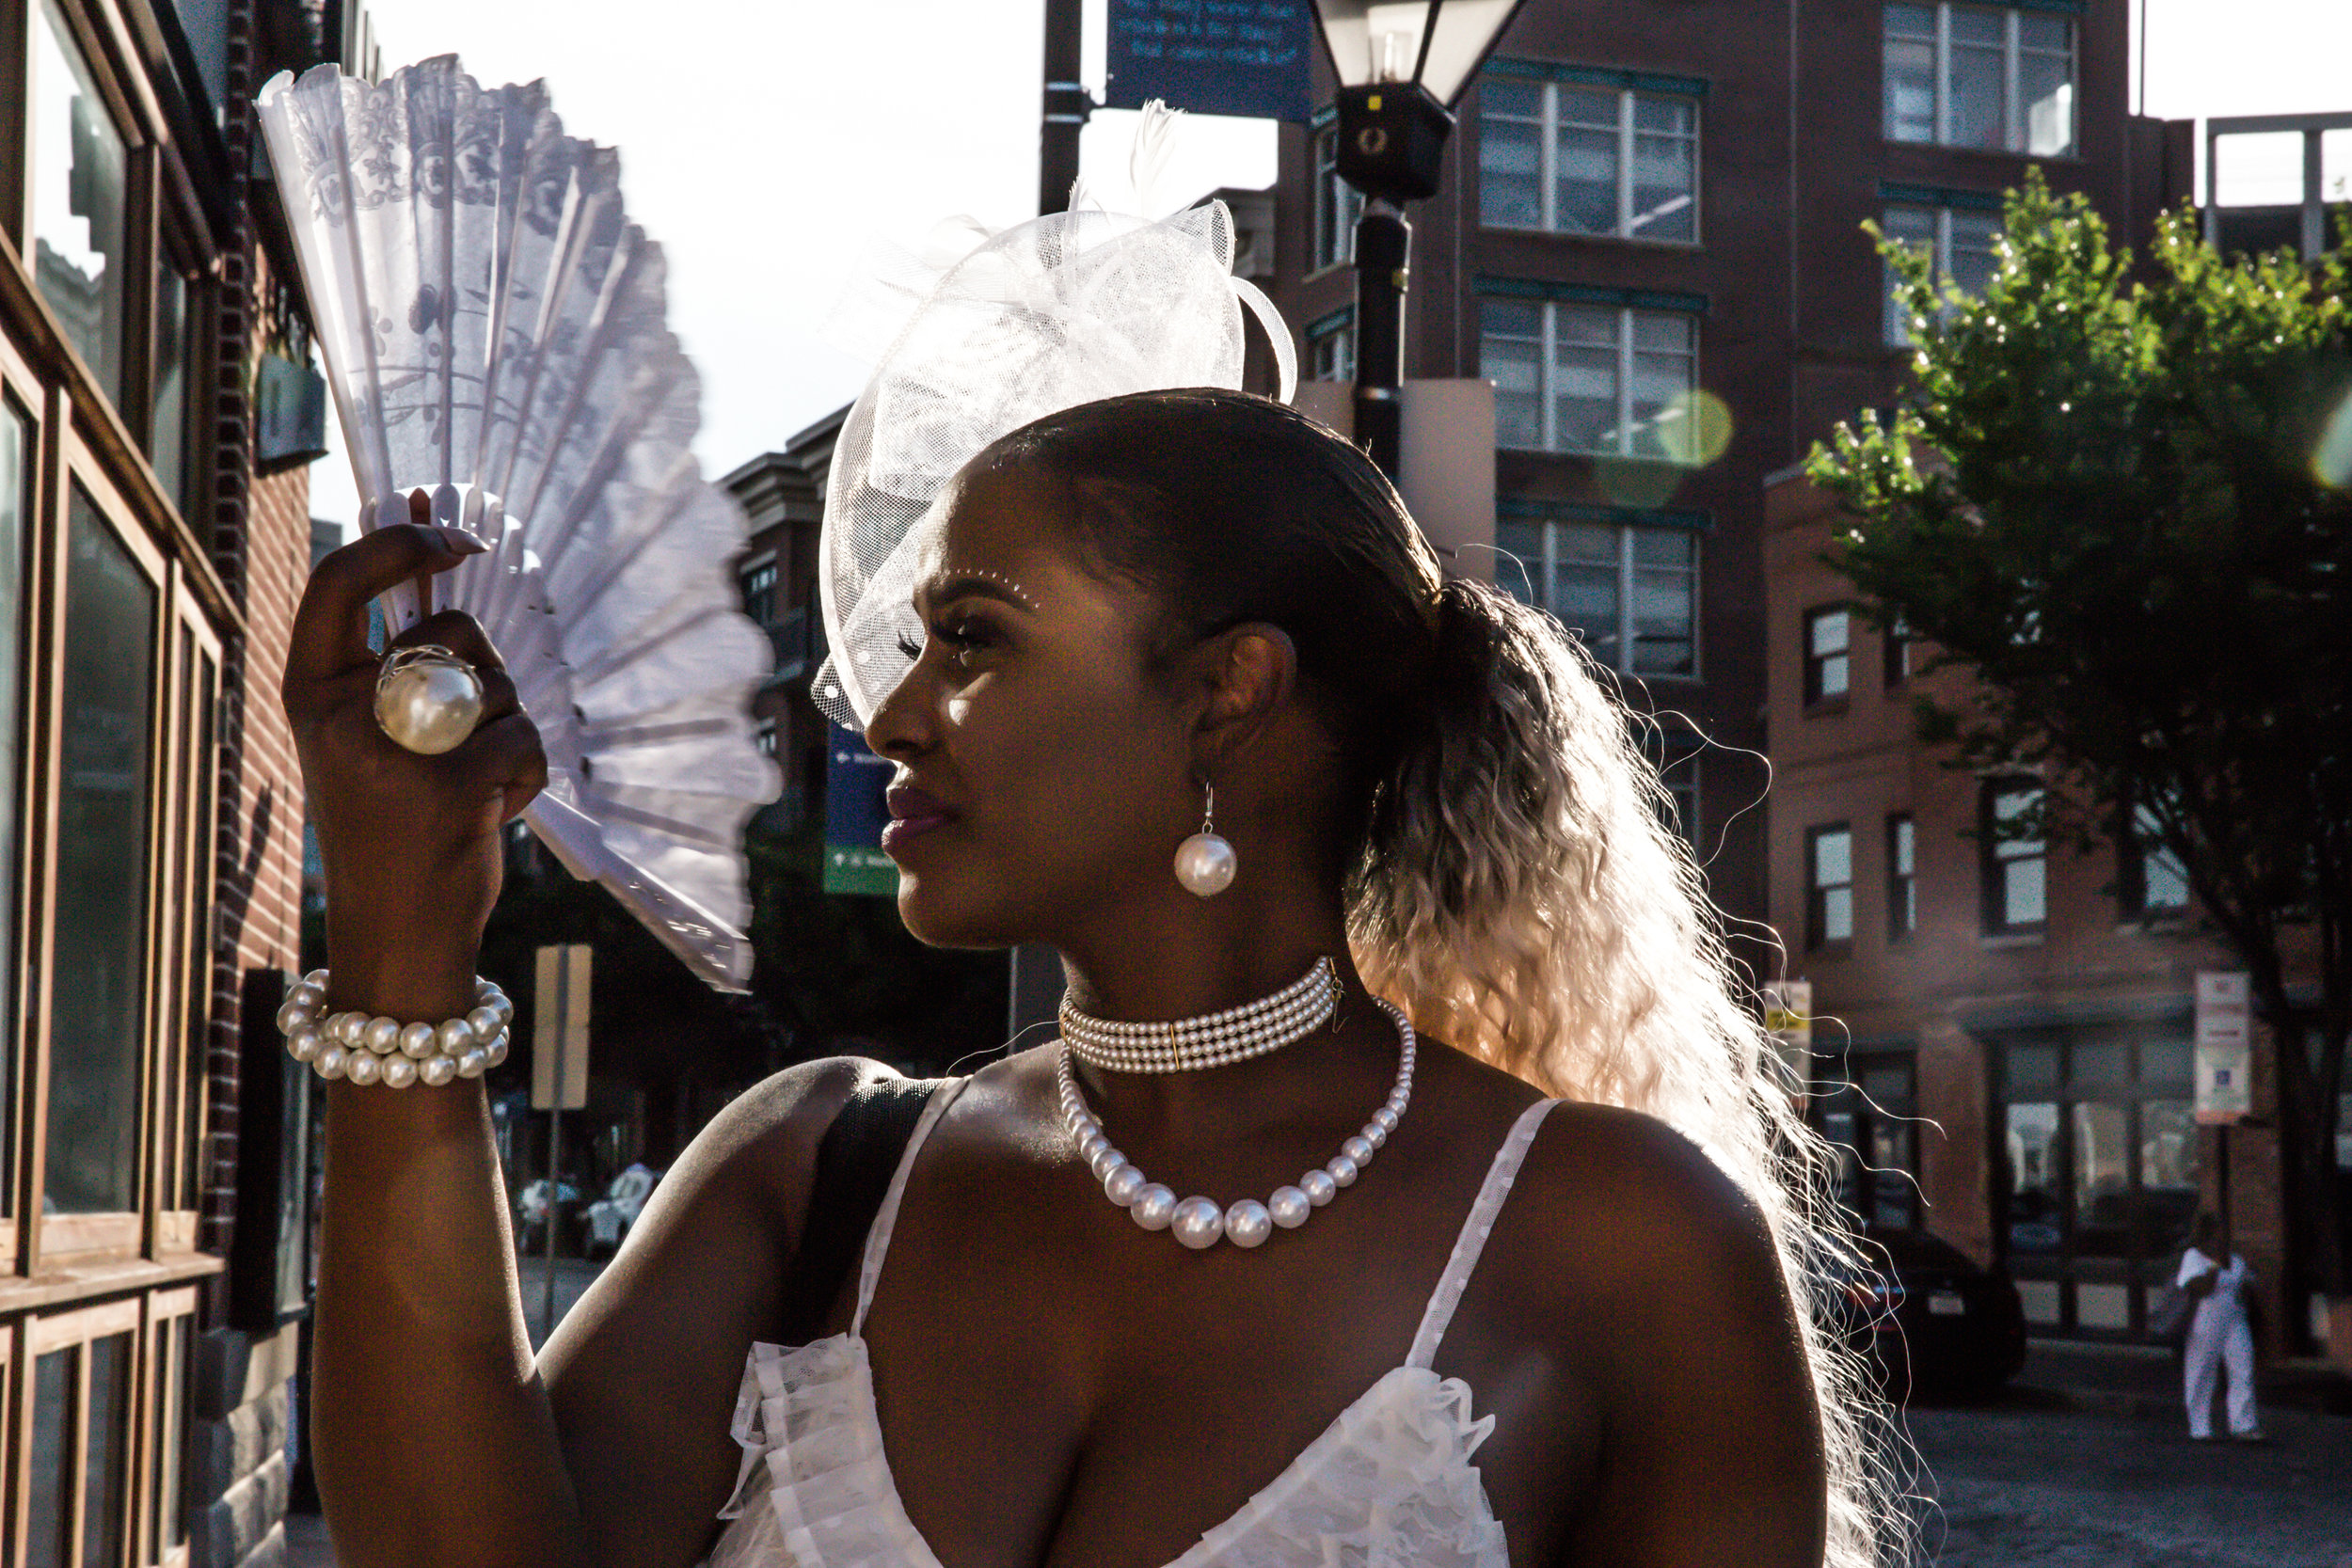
[93,1127]
[2103,1181]
[15,498]
[106,1449]
[45,1540]
[2033,1191]
[76,169]
[2167,1176]
[167,431]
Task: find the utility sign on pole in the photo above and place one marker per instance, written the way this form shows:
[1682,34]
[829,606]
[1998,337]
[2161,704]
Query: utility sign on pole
[1245,57]
[559,1050]
[2225,1047]
[1788,1019]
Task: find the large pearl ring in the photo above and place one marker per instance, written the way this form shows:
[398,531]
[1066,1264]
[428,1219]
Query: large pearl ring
[427,699]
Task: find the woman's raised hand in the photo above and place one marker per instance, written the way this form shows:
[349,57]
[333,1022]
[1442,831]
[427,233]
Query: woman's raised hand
[410,843]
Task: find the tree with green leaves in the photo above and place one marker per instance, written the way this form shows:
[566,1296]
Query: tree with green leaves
[2117,494]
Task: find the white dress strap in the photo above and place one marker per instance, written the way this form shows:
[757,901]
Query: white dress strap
[1473,1241]
[878,1235]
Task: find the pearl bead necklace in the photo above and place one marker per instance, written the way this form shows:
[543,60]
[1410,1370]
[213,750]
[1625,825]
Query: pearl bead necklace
[385,1050]
[1197,1222]
[1213,1039]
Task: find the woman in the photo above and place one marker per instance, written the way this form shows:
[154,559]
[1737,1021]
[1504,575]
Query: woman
[1137,612]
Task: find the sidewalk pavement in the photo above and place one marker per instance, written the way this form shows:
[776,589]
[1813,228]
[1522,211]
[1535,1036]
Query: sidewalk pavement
[2145,1380]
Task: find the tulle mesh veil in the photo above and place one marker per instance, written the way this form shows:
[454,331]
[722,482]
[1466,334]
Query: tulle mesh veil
[1065,309]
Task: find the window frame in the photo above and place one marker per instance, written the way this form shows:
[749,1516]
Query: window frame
[1628,97]
[188,782]
[1626,349]
[1817,696]
[1993,866]
[1336,333]
[2016,131]
[2136,847]
[97,1237]
[1895,325]
[1817,936]
[77,1329]
[22,1026]
[764,561]
[1902,885]
[1895,666]
[1540,579]
[1334,205]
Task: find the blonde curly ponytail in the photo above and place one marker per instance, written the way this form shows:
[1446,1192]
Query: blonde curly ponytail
[1520,891]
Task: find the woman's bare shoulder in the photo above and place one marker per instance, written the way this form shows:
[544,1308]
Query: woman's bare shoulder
[1604,1180]
[765,1141]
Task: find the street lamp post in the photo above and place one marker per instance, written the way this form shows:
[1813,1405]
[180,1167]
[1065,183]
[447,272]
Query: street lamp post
[1400,65]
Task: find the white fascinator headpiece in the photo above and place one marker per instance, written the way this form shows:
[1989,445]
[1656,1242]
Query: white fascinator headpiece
[1065,309]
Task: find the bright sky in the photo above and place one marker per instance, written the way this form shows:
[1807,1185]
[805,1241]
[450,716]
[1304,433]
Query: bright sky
[768,146]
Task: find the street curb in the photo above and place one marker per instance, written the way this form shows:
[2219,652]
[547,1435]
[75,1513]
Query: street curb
[2140,1406]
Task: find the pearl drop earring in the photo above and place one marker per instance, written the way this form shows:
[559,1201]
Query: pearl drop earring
[1205,862]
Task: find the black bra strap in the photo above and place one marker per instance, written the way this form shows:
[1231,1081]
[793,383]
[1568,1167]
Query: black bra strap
[855,1164]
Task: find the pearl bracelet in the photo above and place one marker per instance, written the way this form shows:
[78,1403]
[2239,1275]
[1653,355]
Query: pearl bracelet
[383,1050]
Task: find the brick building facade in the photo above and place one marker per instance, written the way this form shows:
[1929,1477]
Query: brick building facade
[154,384]
[1650,238]
[2017,1016]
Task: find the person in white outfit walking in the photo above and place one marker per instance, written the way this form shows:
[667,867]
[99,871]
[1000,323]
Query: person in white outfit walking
[2218,1335]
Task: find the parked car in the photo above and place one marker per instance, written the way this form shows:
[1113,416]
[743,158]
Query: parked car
[1931,1321]
[610,1216]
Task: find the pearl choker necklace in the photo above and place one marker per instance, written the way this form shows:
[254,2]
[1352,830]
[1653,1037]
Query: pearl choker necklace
[1197,1222]
[1213,1039]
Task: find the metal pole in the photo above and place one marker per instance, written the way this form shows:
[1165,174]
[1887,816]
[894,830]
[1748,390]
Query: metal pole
[2228,1240]
[1384,245]
[1067,106]
[555,1166]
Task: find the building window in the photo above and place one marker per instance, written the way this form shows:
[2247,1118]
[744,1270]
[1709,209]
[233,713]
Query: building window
[1994,77]
[85,1398]
[1895,654]
[167,409]
[1331,347]
[759,590]
[1682,778]
[1903,875]
[1828,654]
[1869,1117]
[2102,1178]
[1961,245]
[78,179]
[2014,859]
[101,942]
[16,450]
[2152,882]
[1603,379]
[1588,160]
[1338,205]
[1828,885]
[1630,591]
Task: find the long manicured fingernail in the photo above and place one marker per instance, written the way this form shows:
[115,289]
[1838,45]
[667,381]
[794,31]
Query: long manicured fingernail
[459,542]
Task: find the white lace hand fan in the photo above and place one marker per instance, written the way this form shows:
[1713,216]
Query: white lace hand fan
[1061,310]
[494,333]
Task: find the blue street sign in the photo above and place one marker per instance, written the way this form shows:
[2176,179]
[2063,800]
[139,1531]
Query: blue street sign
[1245,57]
[854,814]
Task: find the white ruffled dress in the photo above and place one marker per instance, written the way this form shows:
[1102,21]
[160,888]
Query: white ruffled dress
[1389,1484]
